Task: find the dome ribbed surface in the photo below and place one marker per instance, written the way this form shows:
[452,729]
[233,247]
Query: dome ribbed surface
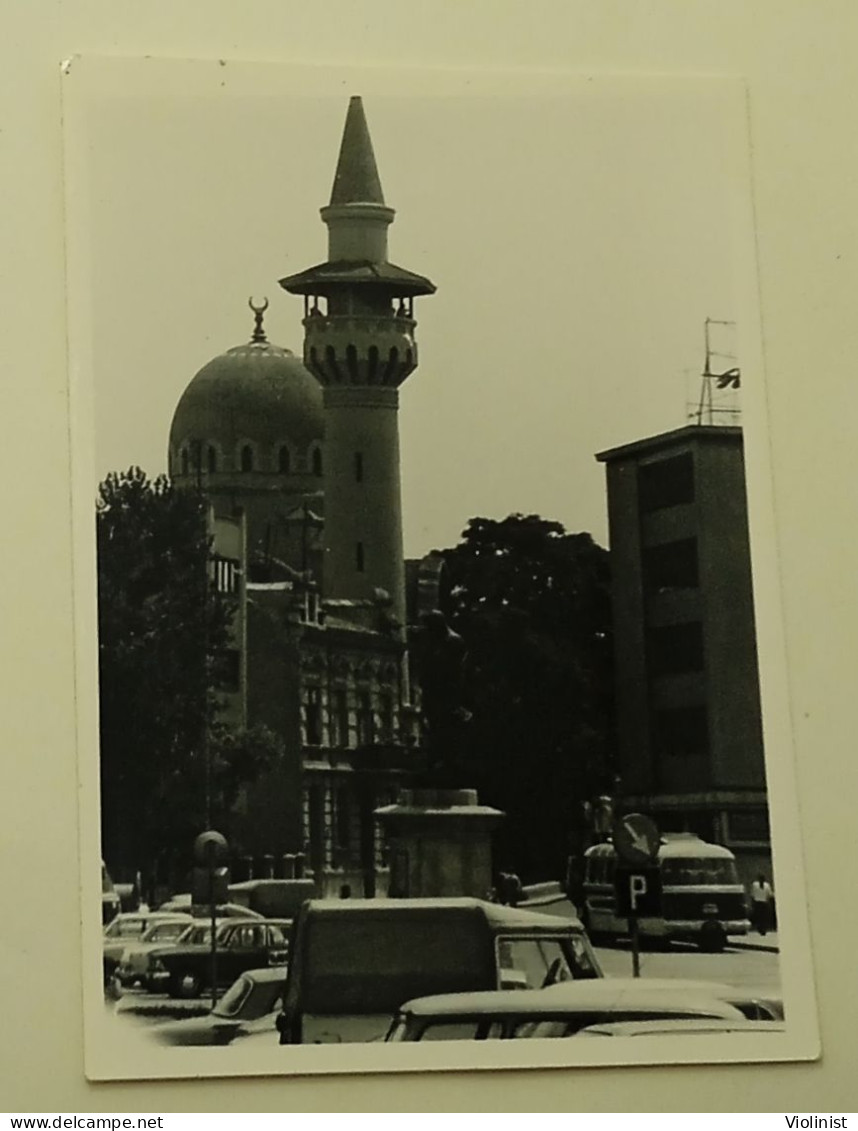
[256,392]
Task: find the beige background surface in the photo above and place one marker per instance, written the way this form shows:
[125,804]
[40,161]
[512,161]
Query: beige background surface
[798,59]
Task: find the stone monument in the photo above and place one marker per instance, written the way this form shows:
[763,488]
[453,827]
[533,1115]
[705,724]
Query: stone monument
[440,836]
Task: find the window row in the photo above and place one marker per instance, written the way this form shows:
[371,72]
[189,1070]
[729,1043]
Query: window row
[334,833]
[348,721]
[209,459]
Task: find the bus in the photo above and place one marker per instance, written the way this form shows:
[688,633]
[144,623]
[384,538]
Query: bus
[703,900]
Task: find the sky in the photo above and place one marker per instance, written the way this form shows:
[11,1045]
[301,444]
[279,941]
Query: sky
[578,241]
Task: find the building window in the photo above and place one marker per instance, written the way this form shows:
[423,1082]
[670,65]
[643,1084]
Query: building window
[224,574]
[247,458]
[365,720]
[313,711]
[666,482]
[342,821]
[360,562]
[186,461]
[359,467]
[682,732]
[284,460]
[675,648]
[211,459]
[385,716]
[317,461]
[340,717]
[672,565]
[749,825]
[311,607]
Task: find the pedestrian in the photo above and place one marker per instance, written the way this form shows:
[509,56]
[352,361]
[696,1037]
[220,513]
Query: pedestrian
[761,904]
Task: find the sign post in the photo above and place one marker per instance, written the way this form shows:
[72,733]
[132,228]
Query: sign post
[210,883]
[637,880]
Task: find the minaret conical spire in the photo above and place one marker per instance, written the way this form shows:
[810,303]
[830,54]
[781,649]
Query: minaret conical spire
[359,344]
[356,180]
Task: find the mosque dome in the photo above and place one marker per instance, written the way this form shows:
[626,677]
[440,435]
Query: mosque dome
[254,408]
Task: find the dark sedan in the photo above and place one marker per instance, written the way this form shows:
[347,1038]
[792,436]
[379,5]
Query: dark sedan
[241,945]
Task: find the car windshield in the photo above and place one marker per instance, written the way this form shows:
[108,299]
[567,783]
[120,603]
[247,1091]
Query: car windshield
[162,932]
[531,963]
[692,870]
[247,1000]
[125,928]
[196,935]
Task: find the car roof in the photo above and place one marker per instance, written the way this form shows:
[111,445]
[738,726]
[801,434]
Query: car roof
[723,991]
[224,910]
[587,994]
[251,921]
[685,845]
[497,914]
[158,920]
[152,917]
[265,974]
[680,1027]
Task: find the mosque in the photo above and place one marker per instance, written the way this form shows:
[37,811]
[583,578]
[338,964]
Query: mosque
[298,460]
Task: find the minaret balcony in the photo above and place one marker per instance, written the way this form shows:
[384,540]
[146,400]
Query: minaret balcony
[351,349]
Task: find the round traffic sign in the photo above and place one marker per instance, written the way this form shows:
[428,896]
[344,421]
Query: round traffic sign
[636,839]
[210,848]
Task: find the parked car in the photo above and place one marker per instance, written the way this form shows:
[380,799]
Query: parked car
[505,1014]
[755,1005]
[129,926]
[694,1026]
[133,967]
[183,903]
[354,962]
[242,944]
[197,933]
[110,905]
[248,1007]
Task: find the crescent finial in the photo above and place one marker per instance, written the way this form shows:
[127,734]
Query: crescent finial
[258,311]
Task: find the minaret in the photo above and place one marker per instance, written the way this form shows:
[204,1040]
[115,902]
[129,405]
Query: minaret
[359,344]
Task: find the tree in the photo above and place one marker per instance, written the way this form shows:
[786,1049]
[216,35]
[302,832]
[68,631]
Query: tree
[169,765]
[532,606]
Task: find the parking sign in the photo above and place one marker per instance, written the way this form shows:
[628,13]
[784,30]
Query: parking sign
[638,892]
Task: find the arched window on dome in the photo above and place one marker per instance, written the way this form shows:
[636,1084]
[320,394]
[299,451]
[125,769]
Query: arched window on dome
[317,461]
[284,460]
[186,461]
[211,459]
[246,458]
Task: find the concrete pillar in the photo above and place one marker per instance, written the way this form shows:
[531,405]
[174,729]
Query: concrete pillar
[440,843]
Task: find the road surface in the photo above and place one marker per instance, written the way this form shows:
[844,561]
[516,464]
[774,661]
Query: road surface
[757,969]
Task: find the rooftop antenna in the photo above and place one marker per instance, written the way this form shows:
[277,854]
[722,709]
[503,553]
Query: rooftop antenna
[707,409]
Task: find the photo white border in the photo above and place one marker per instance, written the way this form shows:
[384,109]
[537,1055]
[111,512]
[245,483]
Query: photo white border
[92,78]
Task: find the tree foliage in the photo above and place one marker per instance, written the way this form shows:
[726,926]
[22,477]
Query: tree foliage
[169,765]
[532,606]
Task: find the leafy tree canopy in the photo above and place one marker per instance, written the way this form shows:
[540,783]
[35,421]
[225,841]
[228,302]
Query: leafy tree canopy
[531,604]
[169,765]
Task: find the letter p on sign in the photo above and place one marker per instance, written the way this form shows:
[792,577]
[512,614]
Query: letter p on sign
[637,891]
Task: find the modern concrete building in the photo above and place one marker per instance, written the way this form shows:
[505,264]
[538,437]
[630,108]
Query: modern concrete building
[690,743]
[302,457]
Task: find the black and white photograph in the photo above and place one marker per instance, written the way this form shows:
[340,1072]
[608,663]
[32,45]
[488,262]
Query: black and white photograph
[429,683]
